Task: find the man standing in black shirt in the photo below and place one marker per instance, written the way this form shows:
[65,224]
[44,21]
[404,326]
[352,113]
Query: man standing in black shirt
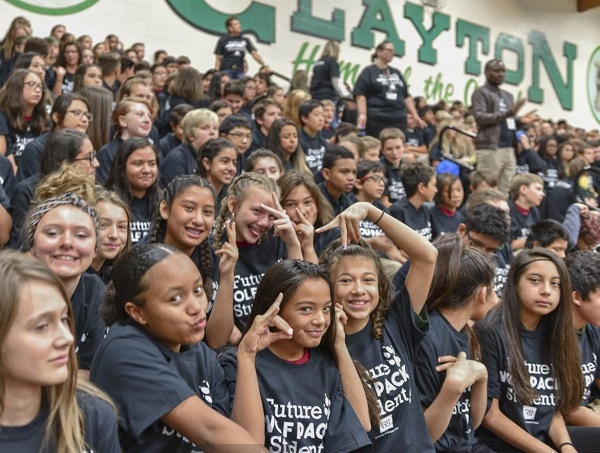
[231,50]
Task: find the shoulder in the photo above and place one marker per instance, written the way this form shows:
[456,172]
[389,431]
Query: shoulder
[94,407]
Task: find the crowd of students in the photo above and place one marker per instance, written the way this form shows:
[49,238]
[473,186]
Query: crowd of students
[205,262]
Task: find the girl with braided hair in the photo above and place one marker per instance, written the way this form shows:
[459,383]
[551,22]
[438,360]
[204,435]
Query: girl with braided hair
[61,230]
[264,233]
[384,332]
[184,219]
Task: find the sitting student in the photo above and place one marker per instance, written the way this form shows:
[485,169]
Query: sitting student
[217,163]
[584,272]
[428,115]
[198,126]
[548,151]
[354,144]
[344,130]
[451,379]
[329,117]
[266,112]
[233,94]
[311,140]
[266,163]
[415,143]
[526,192]
[445,216]
[221,108]
[392,149]
[372,148]
[283,141]
[550,235]
[564,193]
[339,174]
[174,138]
[419,181]
[482,180]
[238,130]
[528,160]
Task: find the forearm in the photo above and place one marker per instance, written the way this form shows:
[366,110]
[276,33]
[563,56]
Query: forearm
[352,386]
[339,87]
[583,416]
[247,406]
[220,323]
[518,244]
[478,401]
[361,105]
[417,149]
[309,254]
[410,106]
[558,430]
[438,415]
[294,251]
[258,58]
[218,62]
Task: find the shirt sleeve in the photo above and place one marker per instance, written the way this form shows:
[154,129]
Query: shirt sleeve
[491,358]
[249,45]
[427,377]
[100,424]
[362,84]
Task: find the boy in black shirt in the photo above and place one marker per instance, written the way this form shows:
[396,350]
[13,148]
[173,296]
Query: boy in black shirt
[392,154]
[265,112]
[550,235]
[419,181]
[312,141]
[174,138]
[231,50]
[526,192]
[339,174]
[415,143]
[238,130]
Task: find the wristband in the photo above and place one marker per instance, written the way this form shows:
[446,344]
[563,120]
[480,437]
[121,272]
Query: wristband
[381,217]
[563,444]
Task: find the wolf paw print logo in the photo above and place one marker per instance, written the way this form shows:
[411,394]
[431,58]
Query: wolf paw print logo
[327,407]
[390,355]
[205,391]
[53,7]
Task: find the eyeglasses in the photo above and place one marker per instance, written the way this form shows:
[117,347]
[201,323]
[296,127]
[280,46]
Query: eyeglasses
[79,114]
[375,178]
[480,245]
[89,158]
[241,136]
[34,85]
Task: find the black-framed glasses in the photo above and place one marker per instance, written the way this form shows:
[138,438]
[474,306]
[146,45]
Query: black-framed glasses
[34,86]
[480,245]
[90,158]
[375,178]
[79,114]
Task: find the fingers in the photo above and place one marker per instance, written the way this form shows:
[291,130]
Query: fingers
[446,359]
[341,314]
[230,229]
[276,202]
[282,326]
[330,226]
[277,213]
[302,218]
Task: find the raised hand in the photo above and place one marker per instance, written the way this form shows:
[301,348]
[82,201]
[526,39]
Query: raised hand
[282,226]
[460,372]
[228,253]
[348,220]
[304,230]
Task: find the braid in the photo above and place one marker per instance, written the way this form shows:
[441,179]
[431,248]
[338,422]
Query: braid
[158,228]
[219,224]
[206,264]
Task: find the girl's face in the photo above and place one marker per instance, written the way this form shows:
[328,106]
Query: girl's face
[159,76]
[453,195]
[87,56]
[538,289]
[75,117]
[92,77]
[222,168]
[288,139]
[206,83]
[38,65]
[309,313]
[100,50]
[113,229]
[268,167]
[137,122]
[551,148]
[86,159]
[279,97]
[86,43]
[251,220]
[141,170]
[190,217]
[65,241]
[32,90]
[36,349]
[356,285]
[71,55]
[300,197]
[174,310]
[202,134]
[567,153]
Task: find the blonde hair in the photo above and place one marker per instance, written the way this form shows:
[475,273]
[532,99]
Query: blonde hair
[69,178]
[239,190]
[389,133]
[292,105]
[197,118]
[331,49]
[371,142]
[65,426]
[524,179]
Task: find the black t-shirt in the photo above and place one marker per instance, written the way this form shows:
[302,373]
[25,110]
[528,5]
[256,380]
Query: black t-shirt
[7,176]
[233,50]
[533,418]
[29,164]
[68,83]
[520,224]
[550,176]
[394,190]
[418,219]
[141,218]
[304,407]
[428,134]
[589,346]
[385,91]
[21,201]
[443,223]
[322,240]
[105,157]
[147,380]
[342,203]
[167,143]
[442,339]
[414,137]
[181,160]
[253,262]
[100,429]
[504,258]
[323,71]
[89,328]
[390,363]
[529,161]
[314,148]
[16,140]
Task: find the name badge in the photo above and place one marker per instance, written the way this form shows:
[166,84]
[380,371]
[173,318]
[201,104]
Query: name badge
[391,96]
[511,124]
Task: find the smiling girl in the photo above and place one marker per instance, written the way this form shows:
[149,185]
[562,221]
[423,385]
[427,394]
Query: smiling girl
[134,177]
[44,406]
[533,327]
[217,162]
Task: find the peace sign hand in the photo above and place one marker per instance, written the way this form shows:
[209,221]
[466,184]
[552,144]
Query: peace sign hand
[228,253]
[282,226]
